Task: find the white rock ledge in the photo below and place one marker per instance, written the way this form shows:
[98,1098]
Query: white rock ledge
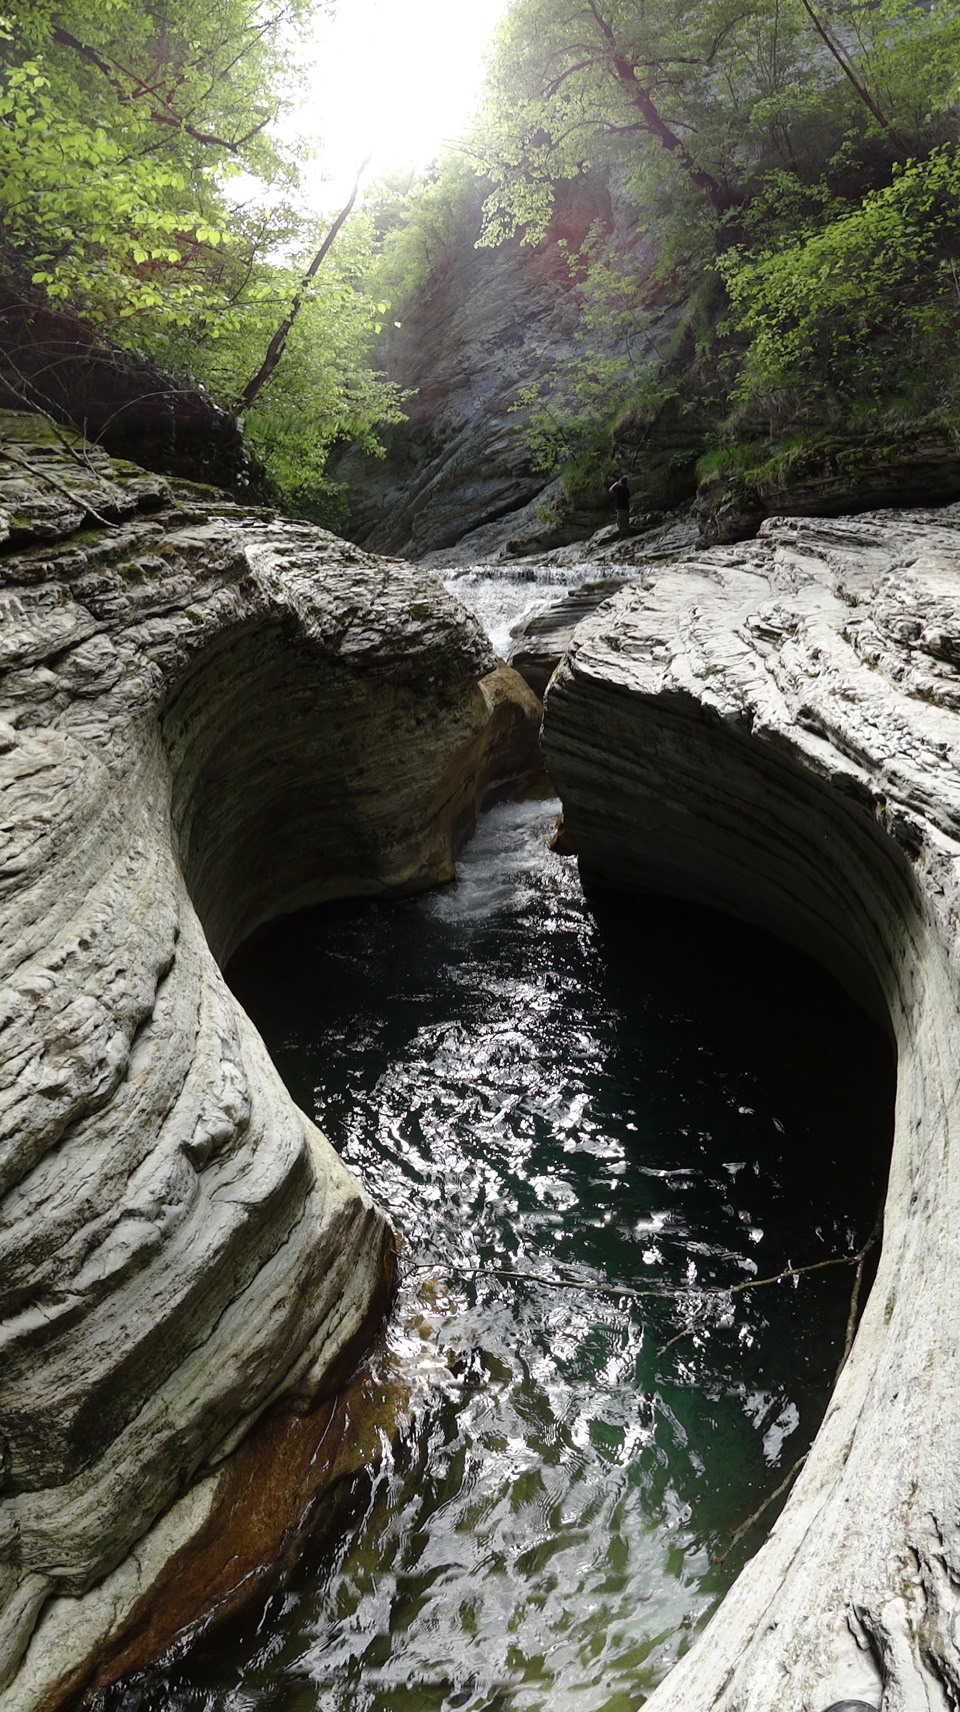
[207,716]
[774,729]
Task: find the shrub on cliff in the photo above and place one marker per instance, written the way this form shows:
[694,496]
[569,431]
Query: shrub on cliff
[861,304]
[793,166]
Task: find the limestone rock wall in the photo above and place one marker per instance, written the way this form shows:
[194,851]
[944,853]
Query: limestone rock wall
[207,716]
[774,730]
[487,323]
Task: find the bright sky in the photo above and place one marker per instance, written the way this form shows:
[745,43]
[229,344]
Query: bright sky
[398,78]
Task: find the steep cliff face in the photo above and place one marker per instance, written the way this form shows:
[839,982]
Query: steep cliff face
[488,323]
[774,730]
[207,717]
[457,485]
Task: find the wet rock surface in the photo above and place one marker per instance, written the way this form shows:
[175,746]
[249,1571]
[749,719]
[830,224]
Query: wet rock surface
[544,640]
[773,729]
[208,716]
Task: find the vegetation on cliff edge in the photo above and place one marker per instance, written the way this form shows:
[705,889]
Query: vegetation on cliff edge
[783,252]
[792,185]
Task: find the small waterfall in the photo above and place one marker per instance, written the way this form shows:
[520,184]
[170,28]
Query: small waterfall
[505,597]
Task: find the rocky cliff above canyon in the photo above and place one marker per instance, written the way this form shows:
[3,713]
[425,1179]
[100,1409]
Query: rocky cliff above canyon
[487,323]
[773,729]
[458,483]
[208,716]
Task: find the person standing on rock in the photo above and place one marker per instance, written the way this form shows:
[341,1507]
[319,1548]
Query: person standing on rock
[620,494]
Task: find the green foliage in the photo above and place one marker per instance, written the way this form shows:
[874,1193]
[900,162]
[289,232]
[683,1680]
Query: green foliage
[588,474]
[128,134]
[119,126]
[842,312]
[422,222]
[794,154]
[616,361]
[325,389]
[706,94]
[791,166]
[731,459]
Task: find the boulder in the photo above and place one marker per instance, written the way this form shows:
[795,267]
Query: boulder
[54,362]
[774,730]
[208,716]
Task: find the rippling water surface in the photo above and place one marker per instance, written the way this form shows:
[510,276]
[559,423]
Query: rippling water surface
[651,1099]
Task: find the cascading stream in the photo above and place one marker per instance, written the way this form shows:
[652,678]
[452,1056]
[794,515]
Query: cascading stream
[539,1090]
[504,597]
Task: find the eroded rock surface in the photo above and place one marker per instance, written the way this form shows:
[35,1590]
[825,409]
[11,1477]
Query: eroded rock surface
[774,730]
[208,716]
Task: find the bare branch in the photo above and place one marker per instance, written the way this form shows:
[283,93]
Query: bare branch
[849,72]
[53,481]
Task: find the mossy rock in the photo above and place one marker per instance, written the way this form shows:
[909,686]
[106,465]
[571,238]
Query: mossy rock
[831,475]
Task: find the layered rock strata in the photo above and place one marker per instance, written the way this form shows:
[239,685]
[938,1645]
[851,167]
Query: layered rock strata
[207,716]
[774,730]
[917,466]
[487,324]
[540,643]
[545,638]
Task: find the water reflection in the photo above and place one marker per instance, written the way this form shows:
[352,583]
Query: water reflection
[652,1100]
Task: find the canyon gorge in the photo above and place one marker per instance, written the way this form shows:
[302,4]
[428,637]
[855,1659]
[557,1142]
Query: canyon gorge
[212,715]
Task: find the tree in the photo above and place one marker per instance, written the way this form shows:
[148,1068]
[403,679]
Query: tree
[278,342]
[755,139]
[119,129]
[716,91]
[616,81]
[128,134]
[423,221]
[860,309]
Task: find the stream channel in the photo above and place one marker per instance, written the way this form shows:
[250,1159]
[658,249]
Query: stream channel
[630,1099]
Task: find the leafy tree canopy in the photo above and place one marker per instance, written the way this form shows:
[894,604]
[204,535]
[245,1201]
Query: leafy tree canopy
[792,167]
[709,93]
[850,309]
[120,127]
[146,185]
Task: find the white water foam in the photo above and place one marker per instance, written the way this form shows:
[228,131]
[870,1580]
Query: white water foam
[505,597]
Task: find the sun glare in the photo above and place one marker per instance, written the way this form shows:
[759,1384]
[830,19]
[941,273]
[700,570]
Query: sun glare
[396,80]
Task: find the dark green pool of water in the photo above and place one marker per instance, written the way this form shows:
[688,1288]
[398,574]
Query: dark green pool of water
[649,1097]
